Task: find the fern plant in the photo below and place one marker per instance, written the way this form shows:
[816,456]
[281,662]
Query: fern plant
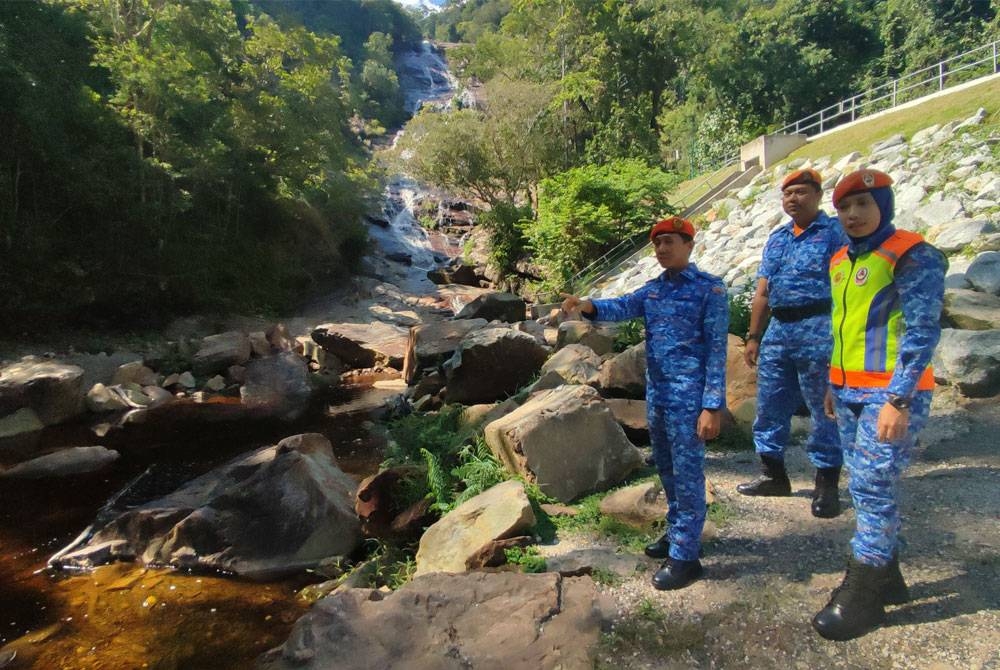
[478,470]
[438,482]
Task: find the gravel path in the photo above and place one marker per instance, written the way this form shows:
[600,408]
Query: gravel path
[773,565]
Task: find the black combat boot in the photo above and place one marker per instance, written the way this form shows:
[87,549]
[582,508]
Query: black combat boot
[675,574]
[774,481]
[895,591]
[855,608]
[660,548]
[825,501]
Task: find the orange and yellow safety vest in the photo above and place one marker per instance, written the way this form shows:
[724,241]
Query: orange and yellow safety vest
[867,315]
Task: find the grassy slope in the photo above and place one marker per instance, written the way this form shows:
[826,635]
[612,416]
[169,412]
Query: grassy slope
[860,137]
[690,190]
[907,121]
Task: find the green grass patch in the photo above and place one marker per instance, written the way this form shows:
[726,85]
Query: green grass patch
[860,137]
[591,521]
[606,577]
[720,514]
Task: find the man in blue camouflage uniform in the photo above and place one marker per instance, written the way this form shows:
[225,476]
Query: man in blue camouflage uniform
[687,318]
[888,289]
[793,284]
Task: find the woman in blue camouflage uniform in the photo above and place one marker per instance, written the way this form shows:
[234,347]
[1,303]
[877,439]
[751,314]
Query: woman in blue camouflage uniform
[687,321]
[888,288]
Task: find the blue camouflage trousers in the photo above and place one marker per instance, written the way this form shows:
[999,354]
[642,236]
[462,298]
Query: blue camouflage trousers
[876,468]
[680,461]
[789,371]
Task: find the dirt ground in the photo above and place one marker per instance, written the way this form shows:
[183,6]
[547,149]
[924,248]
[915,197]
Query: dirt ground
[773,565]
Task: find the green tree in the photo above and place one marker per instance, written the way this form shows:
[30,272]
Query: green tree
[381,97]
[586,210]
[497,154]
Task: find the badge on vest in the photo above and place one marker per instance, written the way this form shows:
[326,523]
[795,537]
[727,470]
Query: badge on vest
[838,278]
[861,276]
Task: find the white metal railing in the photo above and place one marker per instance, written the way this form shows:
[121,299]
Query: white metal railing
[954,70]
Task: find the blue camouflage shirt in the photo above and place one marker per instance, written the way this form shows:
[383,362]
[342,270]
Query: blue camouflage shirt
[797,268]
[687,323]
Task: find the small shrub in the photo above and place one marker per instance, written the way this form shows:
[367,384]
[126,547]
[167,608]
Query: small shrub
[630,333]
[739,310]
[527,558]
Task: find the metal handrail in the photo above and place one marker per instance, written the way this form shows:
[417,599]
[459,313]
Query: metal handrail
[625,249]
[861,104]
[629,242]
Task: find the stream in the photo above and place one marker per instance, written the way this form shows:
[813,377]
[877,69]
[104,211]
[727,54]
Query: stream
[126,616]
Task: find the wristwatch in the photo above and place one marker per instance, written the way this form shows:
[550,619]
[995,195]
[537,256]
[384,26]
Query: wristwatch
[899,402]
[752,336]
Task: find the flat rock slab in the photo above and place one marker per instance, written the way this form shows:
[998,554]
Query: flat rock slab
[486,621]
[72,461]
[364,345]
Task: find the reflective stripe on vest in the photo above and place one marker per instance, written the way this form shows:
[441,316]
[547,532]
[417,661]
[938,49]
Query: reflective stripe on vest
[866,336]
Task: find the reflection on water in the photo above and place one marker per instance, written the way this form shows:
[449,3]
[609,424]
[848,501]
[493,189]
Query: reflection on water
[124,616]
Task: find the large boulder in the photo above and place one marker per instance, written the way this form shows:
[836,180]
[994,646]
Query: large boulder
[455,274]
[574,364]
[632,417]
[972,310]
[624,376]
[956,235]
[969,359]
[279,385]
[277,510]
[984,273]
[363,345]
[566,440]
[495,307]
[442,621]
[218,352]
[492,364]
[462,539]
[600,338]
[52,390]
[431,344]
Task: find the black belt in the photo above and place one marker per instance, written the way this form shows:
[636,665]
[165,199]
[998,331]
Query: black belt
[787,314]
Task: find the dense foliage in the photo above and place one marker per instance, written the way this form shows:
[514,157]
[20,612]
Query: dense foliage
[639,77]
[164,156]
[584,211]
